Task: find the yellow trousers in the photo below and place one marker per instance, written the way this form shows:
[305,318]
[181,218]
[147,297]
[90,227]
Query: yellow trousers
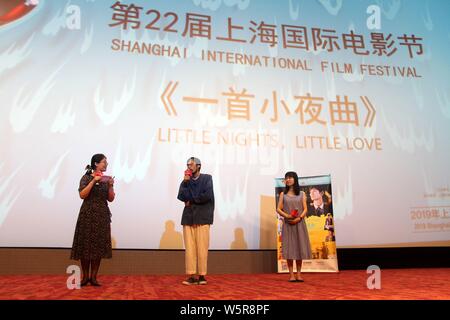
[196,242]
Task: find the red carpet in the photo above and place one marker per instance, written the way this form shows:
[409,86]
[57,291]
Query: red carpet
[395,284]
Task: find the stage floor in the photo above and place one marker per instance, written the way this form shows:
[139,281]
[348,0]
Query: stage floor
[395,284]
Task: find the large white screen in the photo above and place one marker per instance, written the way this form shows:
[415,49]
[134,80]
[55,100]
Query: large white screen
[252,88]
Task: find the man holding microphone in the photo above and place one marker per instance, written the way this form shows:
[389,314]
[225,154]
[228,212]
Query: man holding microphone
[196,191]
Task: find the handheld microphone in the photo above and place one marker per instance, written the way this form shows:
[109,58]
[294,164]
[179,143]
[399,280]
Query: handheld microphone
[98,174]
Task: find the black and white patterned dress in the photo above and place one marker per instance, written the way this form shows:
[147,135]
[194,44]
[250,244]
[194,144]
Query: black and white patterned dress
[92,239]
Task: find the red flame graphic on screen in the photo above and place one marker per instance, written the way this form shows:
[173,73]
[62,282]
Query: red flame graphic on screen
[12,10]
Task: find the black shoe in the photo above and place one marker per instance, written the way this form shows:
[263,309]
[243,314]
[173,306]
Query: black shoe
[202,280]
[85,282]
[190,281]
[95,283]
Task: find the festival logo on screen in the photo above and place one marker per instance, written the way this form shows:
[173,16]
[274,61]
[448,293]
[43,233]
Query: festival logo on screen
[13,10]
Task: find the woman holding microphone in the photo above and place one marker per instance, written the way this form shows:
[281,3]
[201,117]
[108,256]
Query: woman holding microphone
[92,239]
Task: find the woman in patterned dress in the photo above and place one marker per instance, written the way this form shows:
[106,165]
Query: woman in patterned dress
[295,242]
[92,239]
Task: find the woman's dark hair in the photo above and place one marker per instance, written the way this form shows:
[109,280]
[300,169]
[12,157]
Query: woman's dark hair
[96,158]
[295,186]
